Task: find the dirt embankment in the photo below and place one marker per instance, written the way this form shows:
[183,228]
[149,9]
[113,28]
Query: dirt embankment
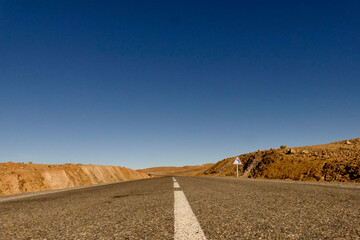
[19,177]
[182,171]
[338,161]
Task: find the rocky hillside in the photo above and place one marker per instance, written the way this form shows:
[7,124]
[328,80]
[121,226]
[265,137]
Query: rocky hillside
[338,161]
[20,177]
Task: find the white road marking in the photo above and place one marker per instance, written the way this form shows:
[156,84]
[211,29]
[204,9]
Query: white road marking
[186,225]
[174,179]
[176,185]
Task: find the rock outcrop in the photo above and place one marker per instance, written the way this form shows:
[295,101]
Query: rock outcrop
[339,162]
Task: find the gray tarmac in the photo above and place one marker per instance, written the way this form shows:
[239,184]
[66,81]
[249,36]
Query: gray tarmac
[142,209]
[226,208]
[265,209]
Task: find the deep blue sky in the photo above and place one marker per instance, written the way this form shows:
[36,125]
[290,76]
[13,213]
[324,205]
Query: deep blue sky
[154,83]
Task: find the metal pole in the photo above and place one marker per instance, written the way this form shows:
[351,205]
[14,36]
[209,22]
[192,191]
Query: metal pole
[237,170]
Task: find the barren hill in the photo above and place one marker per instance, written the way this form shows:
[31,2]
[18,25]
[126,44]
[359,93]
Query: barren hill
[184,171]
[19,177]
[338,161]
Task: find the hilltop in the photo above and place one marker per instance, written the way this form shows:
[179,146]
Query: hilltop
[338,161]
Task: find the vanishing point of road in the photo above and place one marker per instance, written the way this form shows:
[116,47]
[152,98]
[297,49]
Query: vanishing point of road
[186,208]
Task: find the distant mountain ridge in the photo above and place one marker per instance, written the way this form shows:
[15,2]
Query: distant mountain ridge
[337,161]
[184,171]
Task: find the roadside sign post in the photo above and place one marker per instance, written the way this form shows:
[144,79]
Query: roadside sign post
[237,162]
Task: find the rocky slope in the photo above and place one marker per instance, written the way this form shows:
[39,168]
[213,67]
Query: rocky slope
[338,161]
[19,177]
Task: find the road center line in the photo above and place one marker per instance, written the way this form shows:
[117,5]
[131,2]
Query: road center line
[186,225]
[174,179]
[176,185]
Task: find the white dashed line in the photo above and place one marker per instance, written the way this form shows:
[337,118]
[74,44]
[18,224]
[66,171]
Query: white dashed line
[186,225]
[174,179]
[176,185]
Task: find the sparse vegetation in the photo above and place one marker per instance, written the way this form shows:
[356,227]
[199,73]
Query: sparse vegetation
[283,147]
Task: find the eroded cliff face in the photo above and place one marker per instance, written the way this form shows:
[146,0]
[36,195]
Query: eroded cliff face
[19,177]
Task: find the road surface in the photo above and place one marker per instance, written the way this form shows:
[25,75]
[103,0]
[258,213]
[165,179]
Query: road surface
[187,208]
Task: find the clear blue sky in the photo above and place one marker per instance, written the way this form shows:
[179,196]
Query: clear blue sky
[154,83]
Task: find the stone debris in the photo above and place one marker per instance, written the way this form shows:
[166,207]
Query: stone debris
[291,151]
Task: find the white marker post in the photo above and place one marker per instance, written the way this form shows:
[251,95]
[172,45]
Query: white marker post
[237,162]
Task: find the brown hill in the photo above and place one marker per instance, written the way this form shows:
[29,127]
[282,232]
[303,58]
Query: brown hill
[183,171]
[20,177]
[338,161]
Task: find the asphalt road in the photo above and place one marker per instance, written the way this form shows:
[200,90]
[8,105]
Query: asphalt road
[224,208]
